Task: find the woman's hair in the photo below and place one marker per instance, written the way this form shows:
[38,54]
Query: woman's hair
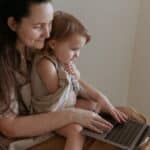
[65,25]
[8,54]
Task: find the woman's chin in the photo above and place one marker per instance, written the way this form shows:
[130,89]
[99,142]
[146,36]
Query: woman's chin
[39,45]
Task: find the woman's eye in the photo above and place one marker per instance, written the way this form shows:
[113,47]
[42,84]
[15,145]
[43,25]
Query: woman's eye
[37,27]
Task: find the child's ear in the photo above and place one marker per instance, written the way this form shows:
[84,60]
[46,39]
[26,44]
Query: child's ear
[12,23]
[52,43]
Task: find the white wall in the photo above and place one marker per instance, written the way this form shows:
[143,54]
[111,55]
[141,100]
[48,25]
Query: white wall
[139,92]
[105,61]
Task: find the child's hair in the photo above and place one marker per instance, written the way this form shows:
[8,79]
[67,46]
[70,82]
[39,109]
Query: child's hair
[65,25]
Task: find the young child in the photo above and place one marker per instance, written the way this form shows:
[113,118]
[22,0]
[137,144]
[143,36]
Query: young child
[56,81]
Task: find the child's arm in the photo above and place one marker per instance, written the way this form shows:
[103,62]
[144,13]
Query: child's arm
[89,92]
[48,74]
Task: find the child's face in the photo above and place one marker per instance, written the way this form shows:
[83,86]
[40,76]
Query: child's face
[68,50]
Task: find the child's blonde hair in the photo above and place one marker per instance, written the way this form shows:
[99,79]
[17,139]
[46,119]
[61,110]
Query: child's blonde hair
[65,25]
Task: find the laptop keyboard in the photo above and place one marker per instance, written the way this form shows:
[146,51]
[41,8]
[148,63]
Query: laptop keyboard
[125,133]
[125,136]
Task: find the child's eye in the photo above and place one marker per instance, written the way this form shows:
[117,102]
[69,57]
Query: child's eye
[75,49]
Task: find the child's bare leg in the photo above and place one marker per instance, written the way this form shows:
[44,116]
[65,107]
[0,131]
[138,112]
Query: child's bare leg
[74,139]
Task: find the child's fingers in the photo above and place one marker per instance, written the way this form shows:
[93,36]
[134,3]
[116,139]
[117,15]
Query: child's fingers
[69,69]
[120,116]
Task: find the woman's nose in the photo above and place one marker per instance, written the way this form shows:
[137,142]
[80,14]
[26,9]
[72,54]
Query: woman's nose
[46,31]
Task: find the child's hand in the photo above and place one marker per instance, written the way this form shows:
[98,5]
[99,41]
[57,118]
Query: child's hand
[106,106]
[72,69]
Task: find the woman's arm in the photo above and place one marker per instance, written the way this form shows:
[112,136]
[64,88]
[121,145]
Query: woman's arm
[39,124]
[34,125]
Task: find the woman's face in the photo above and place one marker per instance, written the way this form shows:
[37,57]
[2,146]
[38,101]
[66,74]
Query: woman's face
[34,29]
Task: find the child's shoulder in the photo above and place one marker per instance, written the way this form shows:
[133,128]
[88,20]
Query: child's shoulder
[43,56]
[40,54]
[44,60]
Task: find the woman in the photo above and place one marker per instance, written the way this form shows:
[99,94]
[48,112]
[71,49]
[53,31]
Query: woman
[24,25]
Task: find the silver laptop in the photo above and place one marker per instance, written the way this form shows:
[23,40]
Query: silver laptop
[126,136]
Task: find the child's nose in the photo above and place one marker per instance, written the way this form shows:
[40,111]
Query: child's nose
[77,53]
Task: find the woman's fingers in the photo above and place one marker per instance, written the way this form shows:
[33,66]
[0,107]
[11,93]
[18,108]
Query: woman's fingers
[104,123]
[102,126]
[92,120]
[95,128]
[99,124]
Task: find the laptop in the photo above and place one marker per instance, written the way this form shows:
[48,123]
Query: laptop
[126,136]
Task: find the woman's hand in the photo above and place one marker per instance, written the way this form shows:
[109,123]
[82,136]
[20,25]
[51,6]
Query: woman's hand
[72,69]
[91,120]
[105,106]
